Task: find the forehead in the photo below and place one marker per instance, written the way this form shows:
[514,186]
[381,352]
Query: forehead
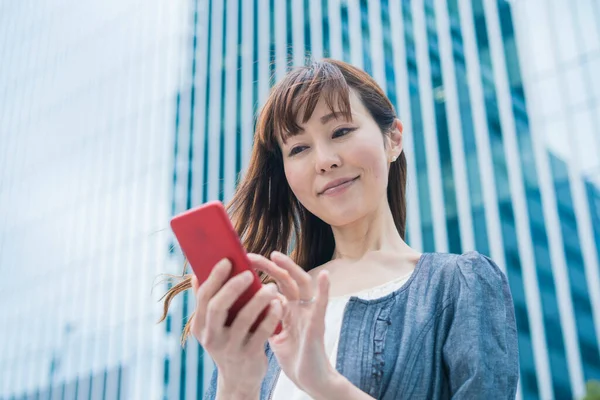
[325,110]
[325,113]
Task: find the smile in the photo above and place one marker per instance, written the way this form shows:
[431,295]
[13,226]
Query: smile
[338,189]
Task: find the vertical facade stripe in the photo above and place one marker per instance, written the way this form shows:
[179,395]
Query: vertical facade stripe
[417,136]
[264,50]
[467,137]
[376,42]
[345,32]
[299,20]
[582,251]
[175,363]
[238,96]
[184,359]
[200,104]
[250,61]
[530,379]
[214,106]
[429,130]
[364,9]
[211,54]
[289,31]
[280,39]
[581,31]
[316,21]
[560,266]
[335,29]
[484,153]
[194,352]
[222,105]
[355,33]
[289,41]
[485,158]
[563,388]
[441,125]
[230,94]
[522,220]
[451,102]
[307,29]
[402,90]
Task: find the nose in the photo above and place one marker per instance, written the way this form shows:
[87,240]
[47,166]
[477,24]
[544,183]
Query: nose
[326,159]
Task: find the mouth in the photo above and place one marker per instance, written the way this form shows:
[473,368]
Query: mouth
[338,186]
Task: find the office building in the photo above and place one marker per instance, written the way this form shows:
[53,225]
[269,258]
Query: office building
[483,172]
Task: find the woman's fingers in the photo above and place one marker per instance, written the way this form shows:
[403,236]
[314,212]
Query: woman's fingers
[218,307]
[249,313]
[322,299]
[267,326]
[287,285]
[217,278]
[302,278]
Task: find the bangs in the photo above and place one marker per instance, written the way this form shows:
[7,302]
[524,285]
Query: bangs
[294,99]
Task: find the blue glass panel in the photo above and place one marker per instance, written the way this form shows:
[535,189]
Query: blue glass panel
[507,217]
[417,133]
[469,144]
[586,333]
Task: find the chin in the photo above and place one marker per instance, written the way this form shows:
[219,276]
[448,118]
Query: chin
[343,214]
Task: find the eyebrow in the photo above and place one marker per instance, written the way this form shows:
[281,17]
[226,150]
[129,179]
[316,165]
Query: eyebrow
[326,118]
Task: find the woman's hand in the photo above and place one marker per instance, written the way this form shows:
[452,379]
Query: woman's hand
[238,355]
[300,347]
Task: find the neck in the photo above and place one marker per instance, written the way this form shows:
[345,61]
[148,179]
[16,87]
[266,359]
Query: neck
[375,231]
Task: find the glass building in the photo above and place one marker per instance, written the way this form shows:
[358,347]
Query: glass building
[559,46]
[88,93]
[151,109]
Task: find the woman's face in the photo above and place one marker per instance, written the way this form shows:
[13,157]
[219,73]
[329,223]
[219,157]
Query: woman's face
[338,169]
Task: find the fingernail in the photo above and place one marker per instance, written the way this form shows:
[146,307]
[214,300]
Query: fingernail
[276,306]
[272,287]
[246,276]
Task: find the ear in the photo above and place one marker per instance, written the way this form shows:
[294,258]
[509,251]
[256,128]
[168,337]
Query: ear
[395,140]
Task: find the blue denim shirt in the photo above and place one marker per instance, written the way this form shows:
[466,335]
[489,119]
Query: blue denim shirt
[448,332]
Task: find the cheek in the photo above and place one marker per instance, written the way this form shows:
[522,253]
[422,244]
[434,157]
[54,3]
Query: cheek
[299,180]
[370,157]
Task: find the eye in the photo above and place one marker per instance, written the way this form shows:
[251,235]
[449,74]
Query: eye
[342,132]
[296,150]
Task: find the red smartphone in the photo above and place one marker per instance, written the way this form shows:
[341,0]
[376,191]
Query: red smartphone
[206,236]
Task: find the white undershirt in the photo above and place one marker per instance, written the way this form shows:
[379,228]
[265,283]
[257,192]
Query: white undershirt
[285,389]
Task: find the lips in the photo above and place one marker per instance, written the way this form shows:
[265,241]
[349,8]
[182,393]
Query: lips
[337,182]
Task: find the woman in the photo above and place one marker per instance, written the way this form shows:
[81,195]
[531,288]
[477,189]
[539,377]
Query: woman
[364,315]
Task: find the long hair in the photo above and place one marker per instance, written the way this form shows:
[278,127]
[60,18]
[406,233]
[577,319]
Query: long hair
[264,211]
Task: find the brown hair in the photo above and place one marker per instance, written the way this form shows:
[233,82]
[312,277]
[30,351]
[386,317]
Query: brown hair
[264,211]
